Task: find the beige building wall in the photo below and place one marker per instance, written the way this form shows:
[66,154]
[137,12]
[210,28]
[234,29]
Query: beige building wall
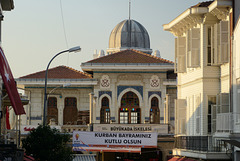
[131,79]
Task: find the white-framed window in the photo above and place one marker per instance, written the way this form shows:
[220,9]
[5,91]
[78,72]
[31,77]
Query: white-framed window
[105,111]
[211,114]
[218,43]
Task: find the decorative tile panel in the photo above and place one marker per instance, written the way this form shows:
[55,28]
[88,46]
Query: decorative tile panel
[154,92]
[100,93]
[137,88]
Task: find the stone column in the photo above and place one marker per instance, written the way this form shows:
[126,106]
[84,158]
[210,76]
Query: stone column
[91,95]
[166,110]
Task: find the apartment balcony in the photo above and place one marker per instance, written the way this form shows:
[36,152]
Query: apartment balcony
[204,147]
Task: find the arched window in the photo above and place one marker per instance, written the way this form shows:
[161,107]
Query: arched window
[70,111]
[105,111]
[154,111]
[52,110]
[130,113]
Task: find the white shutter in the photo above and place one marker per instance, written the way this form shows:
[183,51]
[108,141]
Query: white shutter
[224,40]
[189,48]
[213,116]
[224,97]
[195,55]
[181,55]
[218,43]
[198,113]
[180,116]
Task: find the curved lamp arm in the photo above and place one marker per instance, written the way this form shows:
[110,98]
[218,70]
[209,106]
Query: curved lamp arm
[74,49]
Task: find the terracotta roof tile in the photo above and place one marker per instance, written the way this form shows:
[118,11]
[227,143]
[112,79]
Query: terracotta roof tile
[60,72]
[129,56]
[203,4]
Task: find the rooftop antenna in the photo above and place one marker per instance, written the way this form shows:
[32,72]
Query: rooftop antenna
[129,9]
[130,27]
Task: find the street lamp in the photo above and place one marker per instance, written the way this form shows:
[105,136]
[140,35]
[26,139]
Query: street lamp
[74,49]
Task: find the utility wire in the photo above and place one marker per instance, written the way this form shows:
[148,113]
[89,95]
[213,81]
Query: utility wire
[64,30]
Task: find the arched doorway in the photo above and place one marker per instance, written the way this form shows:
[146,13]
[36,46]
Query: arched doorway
[129,112]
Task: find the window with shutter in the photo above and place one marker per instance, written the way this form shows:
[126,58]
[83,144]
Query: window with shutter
[215,33]
[211,114]
[70,111]
[224,97]
[181,116]
[195,45]
[209,46]
[214,117]
[218,43]
[181,54]
[52,110]
[198,113]
[189,48]
[224,40]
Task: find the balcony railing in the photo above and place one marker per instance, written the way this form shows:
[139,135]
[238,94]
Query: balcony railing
[200,143]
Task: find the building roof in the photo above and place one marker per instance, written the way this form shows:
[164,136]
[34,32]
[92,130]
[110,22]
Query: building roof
[193,16]
[203,4]
[60,72]
[129,56]
[7,5]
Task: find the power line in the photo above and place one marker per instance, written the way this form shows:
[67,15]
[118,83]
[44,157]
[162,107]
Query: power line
[64,30]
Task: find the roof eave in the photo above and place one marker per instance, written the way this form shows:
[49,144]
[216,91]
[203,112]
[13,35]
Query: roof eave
[139,67]
[7,5]
[188,12]
[41,81]
[220,3]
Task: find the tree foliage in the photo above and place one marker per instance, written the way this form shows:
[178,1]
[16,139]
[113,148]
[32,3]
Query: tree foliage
[46,144]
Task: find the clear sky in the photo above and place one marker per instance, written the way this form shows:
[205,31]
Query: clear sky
[33,32]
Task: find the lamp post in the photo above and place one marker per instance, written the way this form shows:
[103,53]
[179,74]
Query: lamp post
[74,49]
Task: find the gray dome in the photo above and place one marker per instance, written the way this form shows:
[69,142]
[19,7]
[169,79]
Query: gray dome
[129,34]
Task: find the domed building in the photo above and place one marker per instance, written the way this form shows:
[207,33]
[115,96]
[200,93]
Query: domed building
[129,34]
[127,90]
